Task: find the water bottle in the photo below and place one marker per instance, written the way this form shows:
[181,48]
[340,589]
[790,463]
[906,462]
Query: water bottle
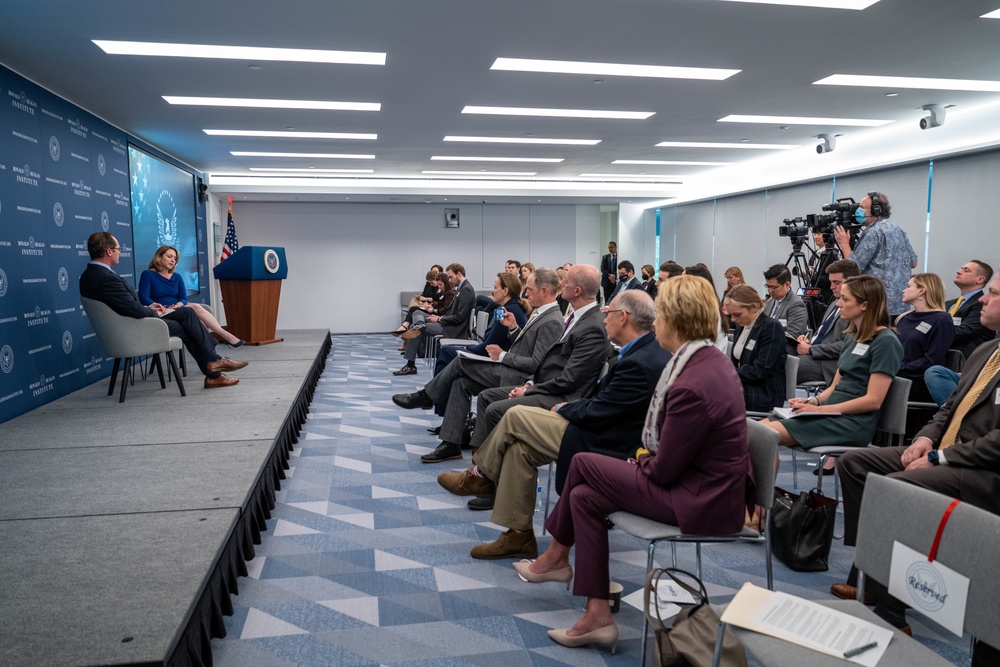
[539,503]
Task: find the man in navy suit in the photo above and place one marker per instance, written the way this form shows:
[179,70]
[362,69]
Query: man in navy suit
[609,266]
[101,283]
[626,279]
[609,422]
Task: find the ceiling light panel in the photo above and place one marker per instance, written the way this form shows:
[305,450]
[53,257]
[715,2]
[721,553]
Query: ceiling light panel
[825,4]
[637,177]
[524,140]
[290,134]
[995,14]
[559,113]
[710,144]
[466,158]
[673,162]
[481,173]
[915,82]
[805,120]
[323,105]
[319,156]
[611,69]
[261,54]
[310,169]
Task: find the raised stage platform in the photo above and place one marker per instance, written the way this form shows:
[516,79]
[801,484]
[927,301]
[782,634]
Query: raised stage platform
[123,527]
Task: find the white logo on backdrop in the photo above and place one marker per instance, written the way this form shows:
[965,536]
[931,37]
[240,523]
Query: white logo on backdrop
[3,283]
[63,278]
[67,342]
[58,215]
[166,219]
[54,148]
[6,359]
[105,220]
[102,166]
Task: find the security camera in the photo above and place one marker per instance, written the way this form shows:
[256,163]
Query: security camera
[828,143]
[936,117]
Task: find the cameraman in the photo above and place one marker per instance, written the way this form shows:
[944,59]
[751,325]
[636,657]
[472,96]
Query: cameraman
[882,250]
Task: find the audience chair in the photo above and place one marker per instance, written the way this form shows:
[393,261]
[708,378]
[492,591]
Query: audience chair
[433,344]
[763,451]
[892,510]
[126,338]
[791,375]
[954,360]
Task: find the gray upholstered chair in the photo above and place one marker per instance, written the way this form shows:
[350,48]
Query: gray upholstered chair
[892,510]
[127,338]
[763,452]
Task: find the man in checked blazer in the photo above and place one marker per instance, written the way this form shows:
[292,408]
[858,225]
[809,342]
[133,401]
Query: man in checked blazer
[968,470]
[454,387]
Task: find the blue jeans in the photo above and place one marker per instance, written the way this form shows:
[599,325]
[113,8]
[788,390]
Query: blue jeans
[941,382]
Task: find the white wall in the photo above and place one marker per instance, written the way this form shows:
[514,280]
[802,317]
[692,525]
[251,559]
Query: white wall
[347,263]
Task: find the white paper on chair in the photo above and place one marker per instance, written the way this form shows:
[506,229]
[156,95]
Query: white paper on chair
[806,623]
[788,413]
[476,357]
[934,590]
[667,609]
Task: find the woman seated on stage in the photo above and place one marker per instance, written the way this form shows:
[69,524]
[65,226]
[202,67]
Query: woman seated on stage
[758,350]
[695,476]
[870,359]
[160,284]
[437,304]
[926,332]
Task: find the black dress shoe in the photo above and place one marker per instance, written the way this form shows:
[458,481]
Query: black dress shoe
[418,399]
[446,451]
[826,472]
[406,370]
[434,431]
[480,504]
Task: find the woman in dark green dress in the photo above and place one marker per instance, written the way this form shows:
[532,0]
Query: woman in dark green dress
[870,359]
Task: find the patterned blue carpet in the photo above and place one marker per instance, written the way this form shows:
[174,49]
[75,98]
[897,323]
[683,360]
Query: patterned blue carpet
[366,559]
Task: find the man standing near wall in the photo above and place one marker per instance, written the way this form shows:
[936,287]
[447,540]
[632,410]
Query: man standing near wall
[609,271]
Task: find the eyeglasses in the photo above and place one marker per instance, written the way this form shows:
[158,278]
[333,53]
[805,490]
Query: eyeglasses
[117,247]
[771,288]
[608,311]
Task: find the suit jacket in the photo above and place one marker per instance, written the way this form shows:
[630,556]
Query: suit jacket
[569,368]
[632,283]
[497,334]
[609,265]
[978,444]
[610,421]
[761,367]
[970,332]
[793,311]
[527,347]
[455,323]
[702,463]
[833,342]
[108,287]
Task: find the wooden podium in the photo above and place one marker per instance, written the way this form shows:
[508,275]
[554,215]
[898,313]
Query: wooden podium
[251,289]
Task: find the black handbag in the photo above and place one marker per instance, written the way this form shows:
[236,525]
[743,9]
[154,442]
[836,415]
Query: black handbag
[801,529]
[690,641]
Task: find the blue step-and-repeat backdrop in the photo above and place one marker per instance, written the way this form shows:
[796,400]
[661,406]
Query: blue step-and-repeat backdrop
[64,174]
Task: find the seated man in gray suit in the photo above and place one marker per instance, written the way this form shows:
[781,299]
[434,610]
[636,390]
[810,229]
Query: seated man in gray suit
[957,454]
[609,422]
[784,305]
[568,370]
[818,355]
[462,378]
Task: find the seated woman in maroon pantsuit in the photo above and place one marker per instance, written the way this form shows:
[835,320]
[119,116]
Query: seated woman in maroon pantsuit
[697,475]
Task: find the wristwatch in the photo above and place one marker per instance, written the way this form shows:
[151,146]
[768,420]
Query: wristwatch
[932,456]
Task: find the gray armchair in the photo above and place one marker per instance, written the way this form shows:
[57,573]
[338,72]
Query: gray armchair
[126,338]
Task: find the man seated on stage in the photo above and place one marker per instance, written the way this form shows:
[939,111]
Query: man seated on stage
[454,386]
[100,283]
[608,422]
[568,370]
[818,356]
[784,305]
[957,454]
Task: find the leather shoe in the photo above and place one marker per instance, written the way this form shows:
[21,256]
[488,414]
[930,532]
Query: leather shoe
[406,370]
[434,431]
[466,484]
[222,380]
[482,503]
[418,399]
[412,333]
[826,472]
[606,635]
[225,365]
[509,545]
[848,592]
[446,451]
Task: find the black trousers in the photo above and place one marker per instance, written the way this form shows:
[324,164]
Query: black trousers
[184,324]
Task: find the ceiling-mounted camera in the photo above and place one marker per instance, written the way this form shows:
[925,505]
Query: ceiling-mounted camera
[828,143]
[936,117]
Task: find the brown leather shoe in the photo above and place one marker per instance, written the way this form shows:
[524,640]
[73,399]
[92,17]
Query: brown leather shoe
[466,484]
[222,381]
[412,332]
[848,592]
[509,545]
[226,365]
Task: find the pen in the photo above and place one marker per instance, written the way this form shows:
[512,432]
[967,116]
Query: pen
[858,650]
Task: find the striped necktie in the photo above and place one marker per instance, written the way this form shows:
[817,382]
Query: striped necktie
[531,318]
[989,370]
[956,306]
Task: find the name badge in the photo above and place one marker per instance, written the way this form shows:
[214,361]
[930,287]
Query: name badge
[996,397]
[924,327]
[957,321]
[783,322]
[751,344]
[860,349]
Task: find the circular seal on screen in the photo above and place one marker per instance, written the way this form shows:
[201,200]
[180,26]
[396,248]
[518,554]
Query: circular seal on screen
[58,215]
[6,359]
[67,342]
[54,149]
[63,278]
[105,220]
[927,587]
[271,261]
[3,283]
[102,165]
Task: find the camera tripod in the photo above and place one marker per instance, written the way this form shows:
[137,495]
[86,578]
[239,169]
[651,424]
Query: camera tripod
[798,265]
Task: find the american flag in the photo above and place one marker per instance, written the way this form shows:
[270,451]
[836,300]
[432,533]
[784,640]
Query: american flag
[231,245]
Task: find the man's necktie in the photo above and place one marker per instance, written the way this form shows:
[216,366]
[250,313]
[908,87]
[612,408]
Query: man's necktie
[824,328]
[989,370]
[531,318]
[569,320]
[956,306]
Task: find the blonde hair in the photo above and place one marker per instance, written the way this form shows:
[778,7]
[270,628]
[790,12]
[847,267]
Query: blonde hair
[735,271]
[869,290]
[744,296]
[933,289]
[156,263]
[689,305]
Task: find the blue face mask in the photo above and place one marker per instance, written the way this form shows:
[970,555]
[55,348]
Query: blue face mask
[859,215]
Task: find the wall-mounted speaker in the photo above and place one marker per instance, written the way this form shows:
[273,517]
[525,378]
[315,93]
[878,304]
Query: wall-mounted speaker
[451,218]
[202,191]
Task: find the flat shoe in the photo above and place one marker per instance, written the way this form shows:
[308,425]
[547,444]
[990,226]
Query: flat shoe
[406,370]
[446,451]
[562,575]
[606,635]
[239,343]
[412,333]
[222,380]
[826,472]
